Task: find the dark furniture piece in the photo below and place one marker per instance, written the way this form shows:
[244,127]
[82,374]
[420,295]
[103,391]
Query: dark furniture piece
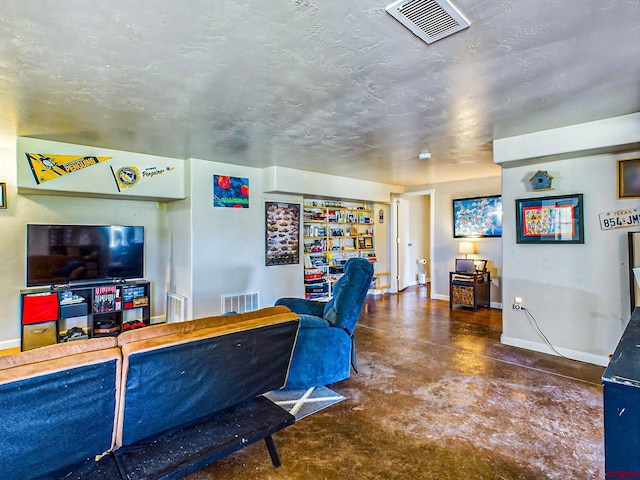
[206,442]
[326,344]
[83,311]
[633,241]
[621,392]
[470,290]
[153,403]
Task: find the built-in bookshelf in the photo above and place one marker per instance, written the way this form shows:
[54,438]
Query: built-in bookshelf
[333,232]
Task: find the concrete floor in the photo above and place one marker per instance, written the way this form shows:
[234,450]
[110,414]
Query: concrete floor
[438,397]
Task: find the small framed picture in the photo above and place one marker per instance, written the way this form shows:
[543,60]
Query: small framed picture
[556,219]
[368,242]
[351,218]
[629,178]
[361,243]
[3,195]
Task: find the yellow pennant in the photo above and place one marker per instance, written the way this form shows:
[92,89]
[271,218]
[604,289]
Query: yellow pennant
[46,166]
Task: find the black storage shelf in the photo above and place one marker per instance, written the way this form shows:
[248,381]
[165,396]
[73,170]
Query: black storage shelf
[83,311]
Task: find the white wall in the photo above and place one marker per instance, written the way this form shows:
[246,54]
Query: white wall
[578,293]
[227,245]
[23,209]
[445,247]
[299,182]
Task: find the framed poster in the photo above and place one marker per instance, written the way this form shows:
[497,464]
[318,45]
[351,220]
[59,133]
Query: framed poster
[477,217]
[557,219]
[230,192]
[282,235]
[629,178]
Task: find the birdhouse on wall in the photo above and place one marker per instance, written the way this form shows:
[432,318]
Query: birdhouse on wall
[541,180]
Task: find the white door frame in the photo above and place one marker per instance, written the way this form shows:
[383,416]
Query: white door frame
[393,233]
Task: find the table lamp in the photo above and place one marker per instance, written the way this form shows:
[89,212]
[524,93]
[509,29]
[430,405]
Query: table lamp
[466,248]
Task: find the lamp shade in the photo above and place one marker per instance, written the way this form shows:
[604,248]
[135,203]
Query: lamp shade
[467,247]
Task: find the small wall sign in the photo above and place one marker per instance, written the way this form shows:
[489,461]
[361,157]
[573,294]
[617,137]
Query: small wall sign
[620,219]
[381,216]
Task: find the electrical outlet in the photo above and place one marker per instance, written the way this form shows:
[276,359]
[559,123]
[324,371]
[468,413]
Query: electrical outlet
[517,303]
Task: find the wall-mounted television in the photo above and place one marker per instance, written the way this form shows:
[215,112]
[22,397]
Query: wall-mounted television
[63,254]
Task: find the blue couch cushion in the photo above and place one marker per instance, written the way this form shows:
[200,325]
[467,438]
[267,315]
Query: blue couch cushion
[56,420]
[311,321]
[321,357]
[175,381]
[349,294]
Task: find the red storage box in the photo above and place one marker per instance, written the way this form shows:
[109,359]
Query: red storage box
[39,307]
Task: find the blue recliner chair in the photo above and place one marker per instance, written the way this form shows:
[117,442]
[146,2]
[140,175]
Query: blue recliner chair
[326,347]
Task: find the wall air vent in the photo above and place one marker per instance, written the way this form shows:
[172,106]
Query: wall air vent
[430,20]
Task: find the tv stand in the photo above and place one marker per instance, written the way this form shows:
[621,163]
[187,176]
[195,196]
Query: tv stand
[68,312]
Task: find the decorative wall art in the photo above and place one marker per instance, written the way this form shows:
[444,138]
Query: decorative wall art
[541,180]
[47,166]
[282,236]
[3,195]
[232,192]
[629,178]
[620,219]
[477,217]
[128,176]
[557,219]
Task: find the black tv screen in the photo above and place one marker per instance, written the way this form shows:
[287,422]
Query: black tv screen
[61,254]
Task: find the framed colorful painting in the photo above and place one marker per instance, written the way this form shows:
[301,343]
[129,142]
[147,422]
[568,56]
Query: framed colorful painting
[557,219]
[477,217]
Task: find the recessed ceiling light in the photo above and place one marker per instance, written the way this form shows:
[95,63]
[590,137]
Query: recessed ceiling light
[424,155]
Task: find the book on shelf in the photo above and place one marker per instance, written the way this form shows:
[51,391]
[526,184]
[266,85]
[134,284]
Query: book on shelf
[106,298]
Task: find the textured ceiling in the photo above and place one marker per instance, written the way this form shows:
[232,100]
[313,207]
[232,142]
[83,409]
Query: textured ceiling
[332,86]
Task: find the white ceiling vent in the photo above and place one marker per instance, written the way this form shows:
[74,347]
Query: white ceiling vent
[430,20]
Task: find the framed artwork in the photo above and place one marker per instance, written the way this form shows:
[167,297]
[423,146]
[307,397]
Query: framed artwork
[3,195]
[477,217]
[361,243]
[557,219]
[230,192]
[629,178]
[282,235]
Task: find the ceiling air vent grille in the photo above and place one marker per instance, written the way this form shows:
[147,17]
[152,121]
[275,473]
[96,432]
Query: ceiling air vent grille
[431,20]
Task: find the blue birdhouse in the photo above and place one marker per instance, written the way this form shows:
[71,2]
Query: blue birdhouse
[541,180]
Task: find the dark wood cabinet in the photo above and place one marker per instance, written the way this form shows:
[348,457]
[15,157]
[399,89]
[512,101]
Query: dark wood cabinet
[471,290]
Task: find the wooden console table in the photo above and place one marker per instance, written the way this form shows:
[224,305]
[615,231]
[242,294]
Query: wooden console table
[470,290]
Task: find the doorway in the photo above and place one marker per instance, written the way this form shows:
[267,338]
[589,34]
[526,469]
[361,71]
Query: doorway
[413,232]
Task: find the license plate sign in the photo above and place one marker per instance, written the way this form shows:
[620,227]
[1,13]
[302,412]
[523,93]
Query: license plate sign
[620,219]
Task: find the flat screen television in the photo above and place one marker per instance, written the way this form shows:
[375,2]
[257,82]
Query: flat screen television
[62,254]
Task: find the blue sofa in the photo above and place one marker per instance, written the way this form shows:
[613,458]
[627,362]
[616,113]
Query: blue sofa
[155,402]
[326,347]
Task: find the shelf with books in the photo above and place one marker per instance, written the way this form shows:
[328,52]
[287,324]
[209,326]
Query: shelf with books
[333,232]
